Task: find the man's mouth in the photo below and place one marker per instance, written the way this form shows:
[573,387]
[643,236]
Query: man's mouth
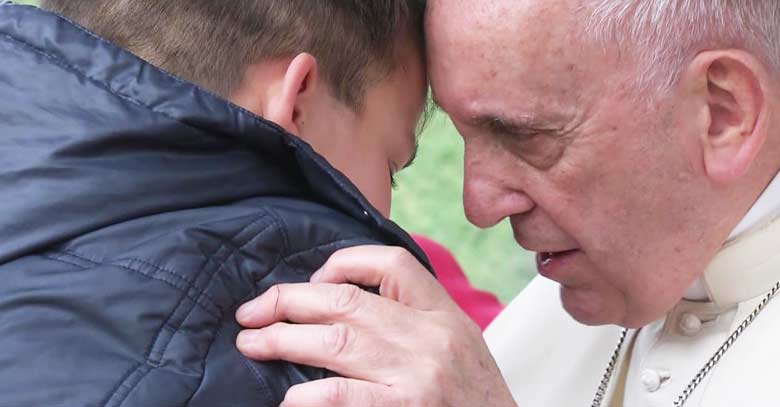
[545,258]
[548,263]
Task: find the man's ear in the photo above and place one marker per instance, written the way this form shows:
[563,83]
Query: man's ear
[736,111]
[289,103]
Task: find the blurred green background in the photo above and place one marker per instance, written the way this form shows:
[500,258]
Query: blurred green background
[428,202]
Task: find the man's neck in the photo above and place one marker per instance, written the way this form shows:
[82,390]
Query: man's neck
[766,209]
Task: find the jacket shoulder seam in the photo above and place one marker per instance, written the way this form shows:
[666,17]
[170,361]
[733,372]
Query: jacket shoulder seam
[201,299]
[283,230]
[290,256]
[221,264]
[304,252]
[78,260]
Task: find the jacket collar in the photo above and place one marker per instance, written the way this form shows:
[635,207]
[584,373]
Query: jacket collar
[69,99]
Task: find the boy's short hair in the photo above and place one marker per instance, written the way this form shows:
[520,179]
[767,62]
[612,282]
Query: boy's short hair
[213,42]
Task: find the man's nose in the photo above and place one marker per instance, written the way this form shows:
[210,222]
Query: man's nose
[491,191]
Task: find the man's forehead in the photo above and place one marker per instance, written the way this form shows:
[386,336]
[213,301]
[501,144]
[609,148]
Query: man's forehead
[516,50]
[503,14]
[502,32]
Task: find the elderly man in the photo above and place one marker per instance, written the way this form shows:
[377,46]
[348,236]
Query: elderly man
[635,145]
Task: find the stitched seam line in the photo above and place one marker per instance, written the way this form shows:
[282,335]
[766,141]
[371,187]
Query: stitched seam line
[124,378]
[62,259]
[63,64]
[292,142]
[210,279]
[208,258]
[263,384]
[189,282]
[272,226]
[304,252]
[266,389]
[127,262]
[207,306]
[220,312]
[282,225]
[145,370]
[124,389]
[203,363]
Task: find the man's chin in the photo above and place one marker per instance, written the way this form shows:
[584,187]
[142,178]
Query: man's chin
[594,308]
[588,307]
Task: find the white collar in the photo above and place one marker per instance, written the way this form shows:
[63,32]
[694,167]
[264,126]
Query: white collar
[764,211]
[745,268]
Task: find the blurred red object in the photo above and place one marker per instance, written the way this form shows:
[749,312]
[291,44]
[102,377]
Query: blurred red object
[481,306]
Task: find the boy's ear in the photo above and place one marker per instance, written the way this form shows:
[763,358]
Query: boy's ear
[289,103]
[735,105]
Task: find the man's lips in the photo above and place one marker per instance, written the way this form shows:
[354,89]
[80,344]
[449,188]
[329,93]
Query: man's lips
[547,257]
[550,264]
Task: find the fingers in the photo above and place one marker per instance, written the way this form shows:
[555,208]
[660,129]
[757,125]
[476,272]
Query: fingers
[317,304]
[339,392]
[338,348]
[394,270]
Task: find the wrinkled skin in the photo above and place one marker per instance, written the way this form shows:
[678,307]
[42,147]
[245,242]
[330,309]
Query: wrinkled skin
[627,196]
[374,340]
[557,141]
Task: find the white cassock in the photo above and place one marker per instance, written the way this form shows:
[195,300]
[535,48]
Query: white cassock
[550,360]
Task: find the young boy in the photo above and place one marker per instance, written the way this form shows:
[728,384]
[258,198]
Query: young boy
[139,210]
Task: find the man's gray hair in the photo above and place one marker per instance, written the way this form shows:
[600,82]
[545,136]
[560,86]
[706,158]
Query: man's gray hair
[663,35]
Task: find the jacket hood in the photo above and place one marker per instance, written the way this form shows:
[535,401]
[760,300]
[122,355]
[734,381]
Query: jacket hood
[91,135]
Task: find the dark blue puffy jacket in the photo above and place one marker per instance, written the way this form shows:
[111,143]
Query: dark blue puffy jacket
[137,212]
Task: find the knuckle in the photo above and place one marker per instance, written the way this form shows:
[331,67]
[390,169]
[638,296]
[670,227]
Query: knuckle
[443,337]
[346,299]
[338,339]
[434,377]
[426,390]
[280,289]
[272,336]
[279,292]
[338,258]
[398,255]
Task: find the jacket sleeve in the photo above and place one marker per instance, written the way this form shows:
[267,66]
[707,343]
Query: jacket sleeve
[229,378]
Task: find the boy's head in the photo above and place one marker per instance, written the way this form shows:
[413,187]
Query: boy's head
[348,76]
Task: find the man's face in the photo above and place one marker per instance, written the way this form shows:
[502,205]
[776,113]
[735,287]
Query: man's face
[371,145]
[604,187]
